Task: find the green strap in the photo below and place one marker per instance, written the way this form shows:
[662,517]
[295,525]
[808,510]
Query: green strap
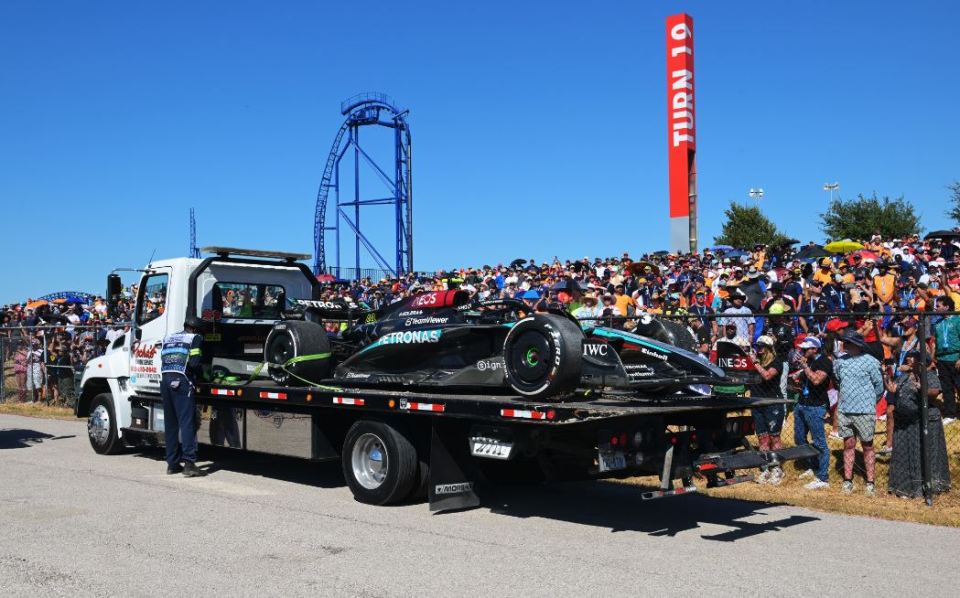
[284,366]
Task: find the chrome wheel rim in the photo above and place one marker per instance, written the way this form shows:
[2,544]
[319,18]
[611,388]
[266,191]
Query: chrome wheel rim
[98,425]
[369,460]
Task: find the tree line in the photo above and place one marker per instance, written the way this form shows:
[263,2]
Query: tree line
[857,218]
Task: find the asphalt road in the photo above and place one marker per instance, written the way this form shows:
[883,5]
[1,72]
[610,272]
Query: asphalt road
[73,523]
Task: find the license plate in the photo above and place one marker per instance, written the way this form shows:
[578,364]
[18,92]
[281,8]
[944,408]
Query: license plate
[490,448]
[612,460]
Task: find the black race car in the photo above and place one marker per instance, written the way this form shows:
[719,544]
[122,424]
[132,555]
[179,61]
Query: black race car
[442,339]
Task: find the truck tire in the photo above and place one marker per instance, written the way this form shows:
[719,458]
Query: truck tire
[379,463]
[102,426]
[291,339]
[543,356]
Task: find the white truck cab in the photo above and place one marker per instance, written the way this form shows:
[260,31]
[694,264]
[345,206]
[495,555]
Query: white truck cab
[238,293]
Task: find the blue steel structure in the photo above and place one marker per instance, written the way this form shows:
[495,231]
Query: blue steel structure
[366,109]
[194,250]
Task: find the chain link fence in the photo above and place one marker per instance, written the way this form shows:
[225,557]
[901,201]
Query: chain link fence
[893,423]
[44,364]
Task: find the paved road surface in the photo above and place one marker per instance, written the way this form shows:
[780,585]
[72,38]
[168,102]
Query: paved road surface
[73,523]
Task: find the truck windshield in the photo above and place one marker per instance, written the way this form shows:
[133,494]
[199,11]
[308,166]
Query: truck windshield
[249,300]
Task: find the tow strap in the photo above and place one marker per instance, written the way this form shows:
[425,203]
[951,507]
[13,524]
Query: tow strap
[232,380]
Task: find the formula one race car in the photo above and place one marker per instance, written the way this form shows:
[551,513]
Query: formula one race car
[442,339]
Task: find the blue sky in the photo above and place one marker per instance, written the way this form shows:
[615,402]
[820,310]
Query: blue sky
[538,128]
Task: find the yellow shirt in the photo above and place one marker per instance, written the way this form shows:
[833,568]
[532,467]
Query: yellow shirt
[623,301]
[824,276]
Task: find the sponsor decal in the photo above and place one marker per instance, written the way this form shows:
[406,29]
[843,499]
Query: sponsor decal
[426,320]
[407,314]
[145,351]
[655,354]
[453,488]
[734,363]
[409,337]
[635,371]
[490,364]
[425,300]
[357,376]
[321,304]
[596,349]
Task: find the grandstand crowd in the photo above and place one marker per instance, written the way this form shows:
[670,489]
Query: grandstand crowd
[835,329]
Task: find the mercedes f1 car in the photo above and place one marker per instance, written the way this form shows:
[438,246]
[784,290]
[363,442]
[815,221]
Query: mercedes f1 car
[442,339]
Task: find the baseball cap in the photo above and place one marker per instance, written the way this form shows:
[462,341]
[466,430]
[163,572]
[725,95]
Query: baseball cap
[811,342]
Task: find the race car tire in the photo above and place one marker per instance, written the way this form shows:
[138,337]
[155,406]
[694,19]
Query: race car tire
[543,354]
[290,339]
[379,463]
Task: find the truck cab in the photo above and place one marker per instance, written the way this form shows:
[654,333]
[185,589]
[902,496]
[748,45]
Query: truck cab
[238,293]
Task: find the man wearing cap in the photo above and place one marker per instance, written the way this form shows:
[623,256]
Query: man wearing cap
[741,316]
[861,385]
[180,356]
[813,379]
[947,334]
[825,273]
[703,311]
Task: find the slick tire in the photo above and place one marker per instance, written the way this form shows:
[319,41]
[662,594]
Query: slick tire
[379,463]
[102,426]
[293,338]
[543,356]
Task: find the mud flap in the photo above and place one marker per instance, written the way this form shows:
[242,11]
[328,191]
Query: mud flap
[451,485]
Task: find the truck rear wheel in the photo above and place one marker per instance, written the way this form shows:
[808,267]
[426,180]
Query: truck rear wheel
[102,426]
[379,463]
[296,340]
[543,355]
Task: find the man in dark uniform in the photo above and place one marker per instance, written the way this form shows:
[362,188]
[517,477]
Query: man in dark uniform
[180,368]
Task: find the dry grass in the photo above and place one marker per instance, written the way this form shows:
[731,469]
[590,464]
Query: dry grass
[38,410]
[945,510]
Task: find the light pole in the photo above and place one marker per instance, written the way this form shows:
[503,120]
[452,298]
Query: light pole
[831,187]
[757,194]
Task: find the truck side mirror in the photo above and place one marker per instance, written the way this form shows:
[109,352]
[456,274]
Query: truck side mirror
[114,290]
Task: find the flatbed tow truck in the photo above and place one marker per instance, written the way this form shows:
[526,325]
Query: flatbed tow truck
[394,444]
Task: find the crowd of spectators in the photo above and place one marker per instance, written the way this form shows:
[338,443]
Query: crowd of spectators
[806,315]
[837,331]
[48,343]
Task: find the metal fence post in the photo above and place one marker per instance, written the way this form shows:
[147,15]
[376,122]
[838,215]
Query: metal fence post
[924,415]
[3,367]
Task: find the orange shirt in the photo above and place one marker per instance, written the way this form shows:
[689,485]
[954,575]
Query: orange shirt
[623,301]
[885,287]
[824,276]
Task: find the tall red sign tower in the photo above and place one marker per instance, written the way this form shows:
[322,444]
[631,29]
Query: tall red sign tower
[681,134]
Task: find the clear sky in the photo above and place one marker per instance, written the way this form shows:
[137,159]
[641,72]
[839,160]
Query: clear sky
[539,127]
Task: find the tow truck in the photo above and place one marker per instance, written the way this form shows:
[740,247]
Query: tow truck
[394,444]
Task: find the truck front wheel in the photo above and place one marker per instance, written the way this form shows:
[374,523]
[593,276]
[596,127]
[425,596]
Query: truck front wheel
[102,426]
[379,463]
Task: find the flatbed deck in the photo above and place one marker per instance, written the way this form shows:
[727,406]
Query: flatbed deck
[578,408]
